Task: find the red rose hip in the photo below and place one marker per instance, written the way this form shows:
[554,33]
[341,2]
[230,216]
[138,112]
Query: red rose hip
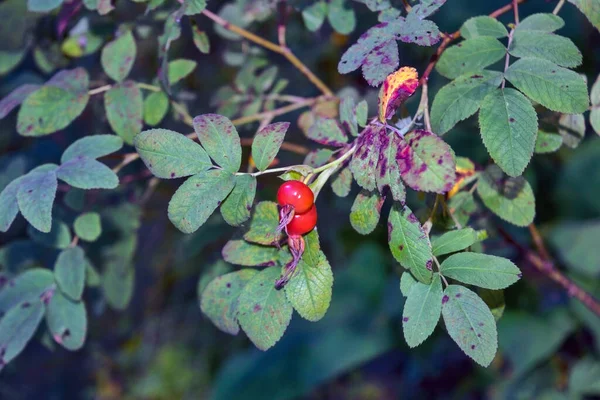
[297,195]
[303,223]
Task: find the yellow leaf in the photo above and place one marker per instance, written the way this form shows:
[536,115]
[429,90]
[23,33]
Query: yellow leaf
[396,88]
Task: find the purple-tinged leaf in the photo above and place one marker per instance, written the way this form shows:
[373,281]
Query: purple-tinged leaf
[365,212]
[15,98]
[220,140]
[381,62]
[348,114]
[266,144]
[342,183]
[426,162]
[364,161]
[74,80]
[425,8]
[388,172]
[327,131]
[318,158]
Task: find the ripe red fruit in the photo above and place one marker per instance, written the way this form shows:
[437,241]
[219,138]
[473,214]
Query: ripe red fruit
[303,223]
[297,195]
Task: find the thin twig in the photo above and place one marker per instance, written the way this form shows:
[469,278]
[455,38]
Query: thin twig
[281,21]
[100,89]
[286,52]
[558,7]
[539,242]
[507,58]
[516,11]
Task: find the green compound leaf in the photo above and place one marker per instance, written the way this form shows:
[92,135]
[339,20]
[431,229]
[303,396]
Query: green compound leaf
[453,241]
[179,69]
[509,127]
[237,206]
[341,16]
[86,173]
[169,154]
[406,283]
[461,98]
[310,288]
[422,311]
[35,197]
[546,46]
[470,324]
[264,312]
[95,146]
[314,15]
[481,270]
[124,110]
[328,132]
[542,22]
[574,242]
[509,198]
[266,144]
[554,87]
[263,225]
[589,8]
[547,142]
[426,162]
[17,328]
[342,183]
[365,212]
[15,98]
[198,197]
[240,252]
[388,174]
[220,139]
[88,226]
[409,243]
[118,56]
[26,287]
[483,26]
[219,300]
[69,272]
[55,105]
[470,56]
[156,106]
[67,321]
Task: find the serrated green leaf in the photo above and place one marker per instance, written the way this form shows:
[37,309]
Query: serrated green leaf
[589,8]
[118,56]
[409,243]
[470,56]
[453,241]
[201,40]
[554,87]
[406,283]
[263,225]
[179,69]
[156,105]
[86,173]
[264,312]
[198,197]
[511,199]
[95,146]
[470,324]
[365,212]
[169,154]
[417,30]
[542,22]
[124,109]
[26,287]
[481,270]
[310,288]
[576,245]
[220,140]
[422,311]
[547,142]
[236,207]
[461,98]
[240,252]
[342,183]
[547,46]
[67,321]
[341,16]
[59,236]
[483,26]
[509,127]
[220,299]
[35,197]
[15,98]
[266,144]
[328,132]
[314,15]
[88,226]
[18,326]
[426,162]
[69,272]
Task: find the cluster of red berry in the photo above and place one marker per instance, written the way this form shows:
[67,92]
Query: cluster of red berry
[300,198]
